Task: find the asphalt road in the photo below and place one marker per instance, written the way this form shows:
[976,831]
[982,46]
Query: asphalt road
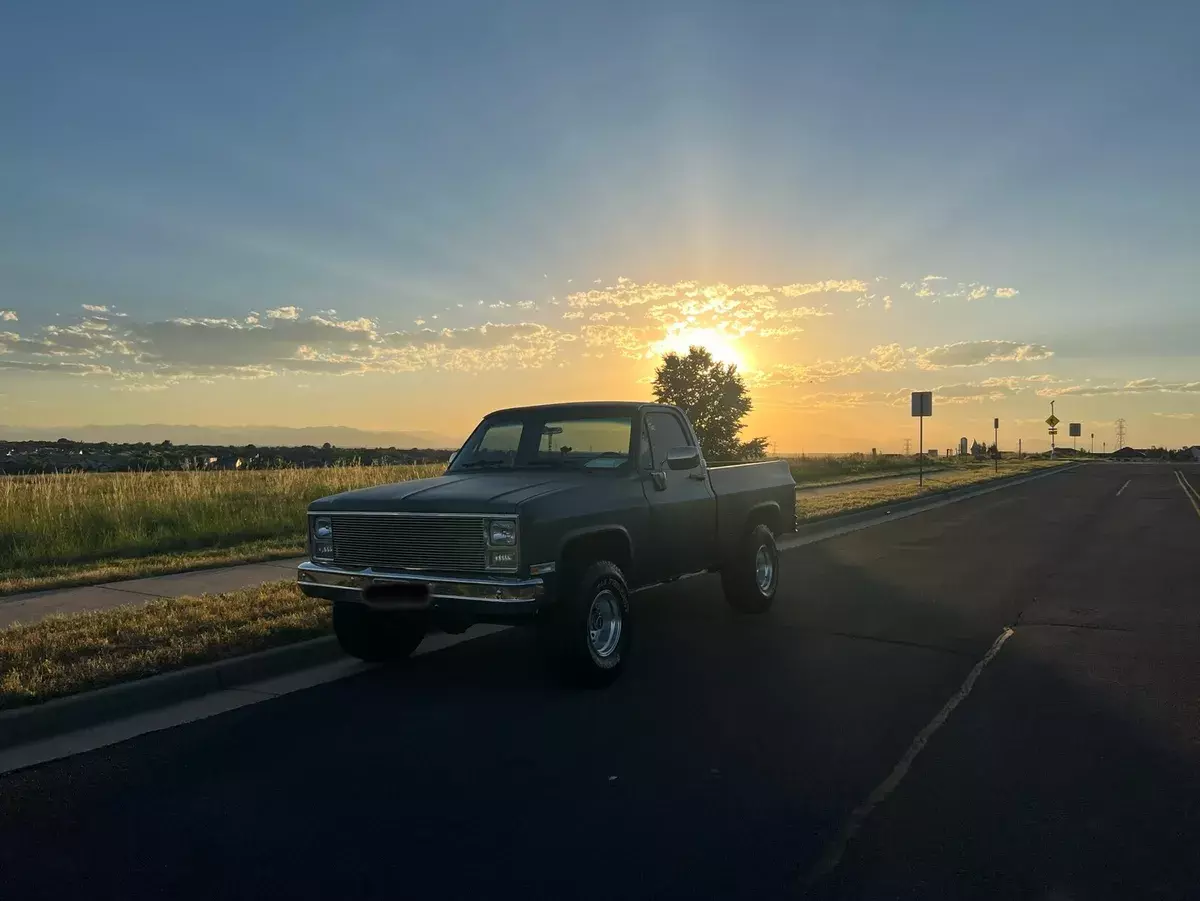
[729,759]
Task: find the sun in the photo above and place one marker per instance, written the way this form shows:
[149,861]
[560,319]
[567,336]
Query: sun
[723,347]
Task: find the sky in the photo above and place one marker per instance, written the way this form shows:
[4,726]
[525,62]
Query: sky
[403,215]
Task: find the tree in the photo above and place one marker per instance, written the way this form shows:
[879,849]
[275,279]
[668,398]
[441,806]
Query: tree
[714,397]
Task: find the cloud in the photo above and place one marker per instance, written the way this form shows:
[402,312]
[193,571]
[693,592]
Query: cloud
[1184,416]
[887,302]
[981,353]
[1136,386]
[284,313]
[889,357]
[1007,292]
[55,366]
[791,374]
[8,316]
[95,308]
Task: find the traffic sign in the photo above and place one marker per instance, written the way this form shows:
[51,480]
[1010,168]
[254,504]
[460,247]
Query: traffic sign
[1053,431]
[1076,429]
[1052,420]
[922,403]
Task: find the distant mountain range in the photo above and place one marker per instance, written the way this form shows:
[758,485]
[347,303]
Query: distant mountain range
[232,436]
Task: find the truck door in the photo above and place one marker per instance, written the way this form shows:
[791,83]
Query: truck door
[683,510]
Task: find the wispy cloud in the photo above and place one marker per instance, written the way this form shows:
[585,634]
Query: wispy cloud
[981,353]
[1183,416]
[284,313]
[95,308]
[8,316]
[1136,386]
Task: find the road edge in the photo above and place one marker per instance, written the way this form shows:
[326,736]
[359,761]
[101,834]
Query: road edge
[24,725]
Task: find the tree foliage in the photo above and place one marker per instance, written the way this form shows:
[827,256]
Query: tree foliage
[714,397]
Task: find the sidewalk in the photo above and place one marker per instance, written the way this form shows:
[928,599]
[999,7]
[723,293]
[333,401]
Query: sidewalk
[28,608]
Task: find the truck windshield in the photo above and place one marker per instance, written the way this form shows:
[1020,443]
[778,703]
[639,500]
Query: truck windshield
[548,442]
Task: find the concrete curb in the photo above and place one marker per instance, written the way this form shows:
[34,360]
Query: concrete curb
[27,724]
[818,524]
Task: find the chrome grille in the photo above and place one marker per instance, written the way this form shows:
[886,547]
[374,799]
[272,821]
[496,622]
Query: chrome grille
[438,543]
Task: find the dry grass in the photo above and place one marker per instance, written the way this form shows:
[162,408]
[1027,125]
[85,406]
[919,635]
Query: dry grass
[69,654]
[57,529]
[861,498]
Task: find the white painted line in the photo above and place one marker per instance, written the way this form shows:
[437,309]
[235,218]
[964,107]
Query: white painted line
[788,543]
[836,848]
[105,734]
[1123,487]
[1189,490]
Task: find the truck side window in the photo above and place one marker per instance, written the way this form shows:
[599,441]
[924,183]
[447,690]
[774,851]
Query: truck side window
[645,454]
[666,432]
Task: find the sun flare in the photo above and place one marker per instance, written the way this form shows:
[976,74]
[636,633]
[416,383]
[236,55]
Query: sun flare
[723,347]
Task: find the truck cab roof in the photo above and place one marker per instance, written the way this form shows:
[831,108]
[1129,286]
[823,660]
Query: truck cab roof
[592,406]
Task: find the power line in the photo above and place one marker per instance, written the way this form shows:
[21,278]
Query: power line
[1120,433]
[907,446]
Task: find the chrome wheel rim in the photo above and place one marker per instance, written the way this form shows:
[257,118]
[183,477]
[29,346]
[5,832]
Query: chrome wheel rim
[764,569]
[604,624]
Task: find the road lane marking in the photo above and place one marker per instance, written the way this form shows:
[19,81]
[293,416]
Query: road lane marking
[1123,487]
[837,848]
[1192,494]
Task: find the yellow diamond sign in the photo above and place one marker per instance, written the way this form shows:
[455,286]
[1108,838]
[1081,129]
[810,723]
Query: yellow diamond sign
[1052,420]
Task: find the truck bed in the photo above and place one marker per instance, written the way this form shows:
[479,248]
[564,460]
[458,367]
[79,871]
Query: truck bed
[740,488]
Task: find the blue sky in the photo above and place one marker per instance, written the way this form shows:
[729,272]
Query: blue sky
[193,167]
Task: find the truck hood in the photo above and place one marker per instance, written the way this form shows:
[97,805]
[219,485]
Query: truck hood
[482,492]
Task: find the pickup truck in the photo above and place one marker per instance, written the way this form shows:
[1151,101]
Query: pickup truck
[552,516]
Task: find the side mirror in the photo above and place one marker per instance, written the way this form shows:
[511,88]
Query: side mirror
[683,458]
[452,458]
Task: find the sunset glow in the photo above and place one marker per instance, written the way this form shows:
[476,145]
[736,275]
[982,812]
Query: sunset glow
[723,347]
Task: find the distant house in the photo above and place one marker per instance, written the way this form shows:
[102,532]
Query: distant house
[1128,453]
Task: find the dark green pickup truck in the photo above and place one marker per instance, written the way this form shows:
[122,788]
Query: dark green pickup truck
[551,516]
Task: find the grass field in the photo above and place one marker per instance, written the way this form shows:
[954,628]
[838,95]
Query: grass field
[69,654]
[852,467]
[78,528]
[870,496]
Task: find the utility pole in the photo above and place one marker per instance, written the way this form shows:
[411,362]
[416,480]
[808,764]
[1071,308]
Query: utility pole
[1020,450]
[1093,450]
[1120,433]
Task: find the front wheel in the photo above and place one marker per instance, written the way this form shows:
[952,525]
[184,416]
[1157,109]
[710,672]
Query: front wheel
[377,636]
[751,578]
[587,634]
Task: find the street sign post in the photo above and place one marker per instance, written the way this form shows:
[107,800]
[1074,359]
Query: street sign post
[996,441]
[1053,422]
[922,406]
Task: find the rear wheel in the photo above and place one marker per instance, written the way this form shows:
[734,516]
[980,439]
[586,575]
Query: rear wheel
[587,634]
[377,636]
[751,578]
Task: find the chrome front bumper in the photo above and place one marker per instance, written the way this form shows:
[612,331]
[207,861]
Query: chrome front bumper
[476,596]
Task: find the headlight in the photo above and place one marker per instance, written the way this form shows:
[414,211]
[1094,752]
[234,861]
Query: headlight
[322,537]
[502,533]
